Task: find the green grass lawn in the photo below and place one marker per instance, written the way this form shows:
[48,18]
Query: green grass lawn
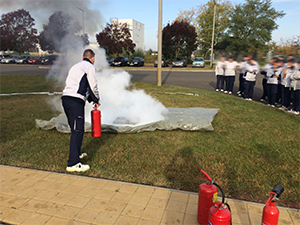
[252,148]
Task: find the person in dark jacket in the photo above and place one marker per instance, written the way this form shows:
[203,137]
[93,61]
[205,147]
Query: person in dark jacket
[81,85]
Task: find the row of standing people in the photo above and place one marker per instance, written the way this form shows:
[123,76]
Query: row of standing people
[281,82]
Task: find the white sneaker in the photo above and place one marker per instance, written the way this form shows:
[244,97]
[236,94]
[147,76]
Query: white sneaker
[230,92]
[296,112]
[217,89]
[222,90]
[82,155]
[225,92]
[78,168]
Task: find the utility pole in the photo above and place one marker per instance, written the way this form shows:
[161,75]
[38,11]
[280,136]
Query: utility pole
[212,38]
[159,48]
[82,19]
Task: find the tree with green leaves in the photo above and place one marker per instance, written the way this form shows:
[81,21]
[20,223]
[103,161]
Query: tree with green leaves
[178,39]
[116,39]
[17,32]
[204,23]
[251,26]
[61,33]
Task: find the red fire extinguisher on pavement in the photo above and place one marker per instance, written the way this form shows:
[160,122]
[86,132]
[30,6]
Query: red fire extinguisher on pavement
[96,122]
[270,212]
[219,213]
[206,198]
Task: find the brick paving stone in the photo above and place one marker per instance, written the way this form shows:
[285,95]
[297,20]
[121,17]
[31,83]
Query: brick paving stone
[191,209]
[126,220]
[172,218]
[106,218]
[114,207]
[121,197]
[36,219]
[178,196]
[68,212]
[139,200]
[81,181]
[144,191]
[97,183]
[5,211]
[190,219]
[53,177]
[33,205]
[12,201]
[74,189]
[62,198]
[89,191]
[159,203]
[128,188]
[87,215]
[178,207]
[152,214]
[96,204]
[193,199]
[17,217]
[78,201]
[44,195]
[159,193]
[50,208]
[148,222]
[295,216]
[58,221]
[105,194]
[112,186]
[133,211]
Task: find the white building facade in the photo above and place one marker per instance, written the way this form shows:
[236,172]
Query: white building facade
[137,31]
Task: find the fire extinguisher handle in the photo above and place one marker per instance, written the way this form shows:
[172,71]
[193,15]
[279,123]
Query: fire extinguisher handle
[207,177]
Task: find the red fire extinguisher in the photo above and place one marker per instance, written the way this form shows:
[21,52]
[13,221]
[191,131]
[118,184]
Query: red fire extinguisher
[96,122]
[206,198]
[220,213]
[270,212]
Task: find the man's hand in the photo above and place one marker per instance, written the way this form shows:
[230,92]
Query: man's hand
[96,105]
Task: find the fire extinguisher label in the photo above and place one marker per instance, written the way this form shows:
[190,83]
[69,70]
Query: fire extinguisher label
[215,197]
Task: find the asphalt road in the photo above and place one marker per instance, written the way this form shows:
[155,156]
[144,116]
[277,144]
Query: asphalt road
[204,80]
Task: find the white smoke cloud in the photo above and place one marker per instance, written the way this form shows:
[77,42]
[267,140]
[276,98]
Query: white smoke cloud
[119,105]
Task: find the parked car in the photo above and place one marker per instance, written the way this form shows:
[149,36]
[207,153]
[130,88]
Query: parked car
[34,61]
[110,60]
[8,59]
[199,62]
[121,61]
[23,60]
[179,62]
[136,61]
[48,60]
[164,63]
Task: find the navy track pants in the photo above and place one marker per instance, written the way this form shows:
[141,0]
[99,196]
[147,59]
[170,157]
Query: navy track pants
[74,110]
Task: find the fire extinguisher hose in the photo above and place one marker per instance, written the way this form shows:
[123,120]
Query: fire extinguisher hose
[223,196]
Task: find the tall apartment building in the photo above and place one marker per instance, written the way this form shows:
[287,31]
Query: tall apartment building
[136,30]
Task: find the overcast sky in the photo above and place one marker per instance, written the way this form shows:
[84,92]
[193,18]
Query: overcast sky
[100,12]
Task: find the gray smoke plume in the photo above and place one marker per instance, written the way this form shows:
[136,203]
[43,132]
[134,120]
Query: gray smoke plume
[41,10]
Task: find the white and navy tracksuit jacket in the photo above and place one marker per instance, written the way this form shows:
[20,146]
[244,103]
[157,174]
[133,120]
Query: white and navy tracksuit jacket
[81,85]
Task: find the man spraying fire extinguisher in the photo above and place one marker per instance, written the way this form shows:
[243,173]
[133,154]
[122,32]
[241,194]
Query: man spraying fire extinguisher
[81,85]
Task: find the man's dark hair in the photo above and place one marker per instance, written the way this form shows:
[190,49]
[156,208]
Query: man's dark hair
[88,53]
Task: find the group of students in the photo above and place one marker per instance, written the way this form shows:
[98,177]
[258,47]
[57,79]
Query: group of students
[281,81]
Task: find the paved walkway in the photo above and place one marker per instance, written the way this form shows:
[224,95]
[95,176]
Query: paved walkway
[32,197]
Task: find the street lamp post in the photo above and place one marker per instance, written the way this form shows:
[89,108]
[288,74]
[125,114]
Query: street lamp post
[213,36]
[159,47]
[82,19]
